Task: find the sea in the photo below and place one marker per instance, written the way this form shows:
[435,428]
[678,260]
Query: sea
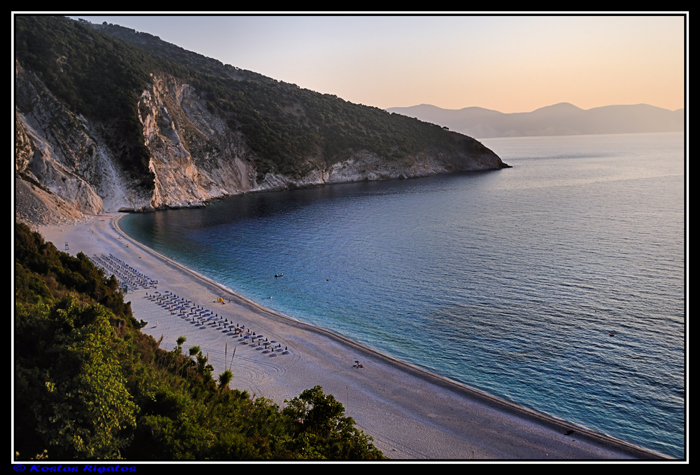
[558,284]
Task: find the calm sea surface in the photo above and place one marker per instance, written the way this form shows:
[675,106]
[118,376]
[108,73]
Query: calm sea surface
[510,281]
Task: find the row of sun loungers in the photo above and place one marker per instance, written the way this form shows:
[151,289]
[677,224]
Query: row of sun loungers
[127,276]
[205,318]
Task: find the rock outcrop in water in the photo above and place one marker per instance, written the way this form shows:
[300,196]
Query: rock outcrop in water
[104,126]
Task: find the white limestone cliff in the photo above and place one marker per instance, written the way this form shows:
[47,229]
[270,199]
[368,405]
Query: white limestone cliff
[194,156]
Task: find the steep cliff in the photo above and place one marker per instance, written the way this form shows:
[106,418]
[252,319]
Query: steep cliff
[64,155]
[98,142]
[194,156]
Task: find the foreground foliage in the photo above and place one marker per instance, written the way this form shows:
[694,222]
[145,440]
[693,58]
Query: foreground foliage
[90,385]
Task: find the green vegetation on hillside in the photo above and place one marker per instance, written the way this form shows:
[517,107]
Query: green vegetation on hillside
[290,130]
[89,385]
[94,75]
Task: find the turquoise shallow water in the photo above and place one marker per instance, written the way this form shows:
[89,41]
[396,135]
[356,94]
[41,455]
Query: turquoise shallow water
[510,281]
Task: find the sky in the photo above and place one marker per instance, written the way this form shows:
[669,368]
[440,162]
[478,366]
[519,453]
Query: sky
[509,63]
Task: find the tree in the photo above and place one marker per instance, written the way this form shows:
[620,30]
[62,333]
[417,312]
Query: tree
[224,379]
[78,394]
[180,340]
[320,429]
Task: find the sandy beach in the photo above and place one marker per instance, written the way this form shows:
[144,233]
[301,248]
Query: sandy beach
[410,413]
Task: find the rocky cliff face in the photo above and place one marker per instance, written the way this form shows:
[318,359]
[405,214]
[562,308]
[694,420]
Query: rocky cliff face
[62,159]
[194,156]
[54,149]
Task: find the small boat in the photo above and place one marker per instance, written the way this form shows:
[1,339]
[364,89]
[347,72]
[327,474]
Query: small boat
[279,275]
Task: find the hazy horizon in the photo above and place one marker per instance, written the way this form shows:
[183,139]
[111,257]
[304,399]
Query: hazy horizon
[508,63]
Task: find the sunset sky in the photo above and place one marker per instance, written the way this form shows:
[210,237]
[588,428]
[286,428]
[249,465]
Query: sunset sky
[514,63]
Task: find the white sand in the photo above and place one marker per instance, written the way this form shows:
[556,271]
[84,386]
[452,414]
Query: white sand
[410,413]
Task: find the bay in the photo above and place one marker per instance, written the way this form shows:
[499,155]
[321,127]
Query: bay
[558,284]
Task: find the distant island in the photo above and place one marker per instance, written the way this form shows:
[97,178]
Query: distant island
[557,119]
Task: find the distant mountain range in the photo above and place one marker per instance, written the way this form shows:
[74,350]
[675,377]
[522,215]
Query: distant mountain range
[557,119]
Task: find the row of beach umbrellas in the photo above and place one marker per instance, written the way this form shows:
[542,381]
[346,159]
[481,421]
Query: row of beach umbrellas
[126,275]
[203,318]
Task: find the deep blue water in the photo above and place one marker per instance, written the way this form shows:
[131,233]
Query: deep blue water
[509,281]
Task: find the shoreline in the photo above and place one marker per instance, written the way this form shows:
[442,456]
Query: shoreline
[411,413]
